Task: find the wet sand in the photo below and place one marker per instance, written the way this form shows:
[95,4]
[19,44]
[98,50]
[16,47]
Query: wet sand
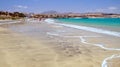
[50,45]
[21,51]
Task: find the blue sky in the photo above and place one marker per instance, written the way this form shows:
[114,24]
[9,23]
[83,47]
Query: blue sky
[79,6]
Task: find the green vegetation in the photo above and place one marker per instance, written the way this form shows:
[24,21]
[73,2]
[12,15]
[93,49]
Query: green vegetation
[11,15]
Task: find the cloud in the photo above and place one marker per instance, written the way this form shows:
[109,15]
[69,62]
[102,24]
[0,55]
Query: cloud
[21,6]
[100,10]
[109,9]
[112,8]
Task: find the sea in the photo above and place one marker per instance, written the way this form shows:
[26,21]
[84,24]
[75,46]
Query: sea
[109,26]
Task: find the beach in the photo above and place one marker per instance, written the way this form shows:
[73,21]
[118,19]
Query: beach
[46,44]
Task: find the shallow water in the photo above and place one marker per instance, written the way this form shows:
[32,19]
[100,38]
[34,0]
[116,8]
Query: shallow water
[112,24]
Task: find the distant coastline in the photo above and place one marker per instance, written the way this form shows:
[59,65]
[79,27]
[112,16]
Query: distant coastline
[76,15]
[18,15]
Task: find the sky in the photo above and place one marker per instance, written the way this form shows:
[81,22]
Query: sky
[77,6]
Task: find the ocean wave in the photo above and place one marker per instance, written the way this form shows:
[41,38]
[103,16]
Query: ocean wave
[91,29]
[49,20]
[112,33]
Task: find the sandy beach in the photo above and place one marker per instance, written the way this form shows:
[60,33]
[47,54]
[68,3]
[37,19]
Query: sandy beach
[21,51]
[42,44]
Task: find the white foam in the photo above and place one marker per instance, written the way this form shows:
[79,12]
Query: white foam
[32,20]
[49,20]
[10,22]
[99,45]
[60,31]
[112,33]
[83,40]
[53,34]
[96,30]
[104,63]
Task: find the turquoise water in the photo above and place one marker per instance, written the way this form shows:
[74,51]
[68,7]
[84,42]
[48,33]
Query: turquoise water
[112,24]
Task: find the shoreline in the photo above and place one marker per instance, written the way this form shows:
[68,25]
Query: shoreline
[66,44]
[87,28]
[104,63]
